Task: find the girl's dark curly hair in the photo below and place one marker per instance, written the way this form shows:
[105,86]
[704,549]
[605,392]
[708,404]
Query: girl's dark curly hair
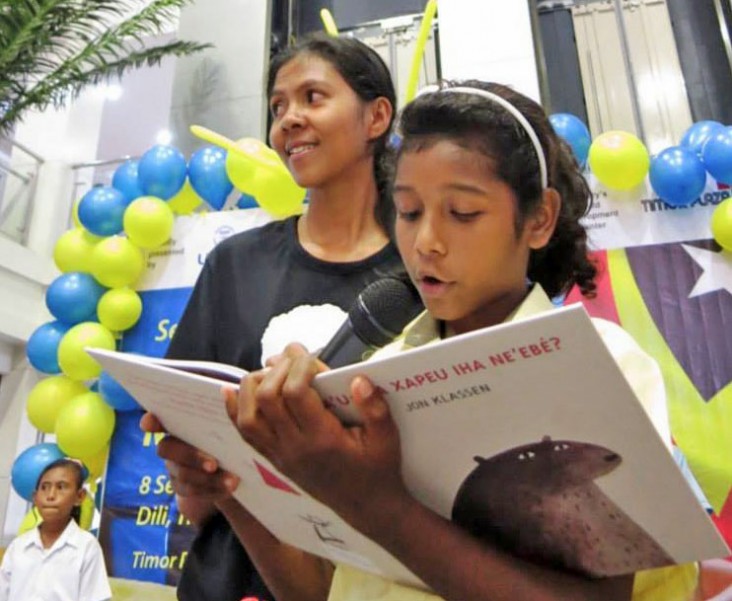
[473,122]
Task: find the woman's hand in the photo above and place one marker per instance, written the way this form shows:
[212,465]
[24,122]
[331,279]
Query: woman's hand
[353,470]
[196,477]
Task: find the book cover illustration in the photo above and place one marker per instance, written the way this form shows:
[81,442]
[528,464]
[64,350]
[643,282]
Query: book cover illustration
[540,502]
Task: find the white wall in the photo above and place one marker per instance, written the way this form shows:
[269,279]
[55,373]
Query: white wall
[14,428]
[61,137]
[24,276]
[489,40]
[222,88]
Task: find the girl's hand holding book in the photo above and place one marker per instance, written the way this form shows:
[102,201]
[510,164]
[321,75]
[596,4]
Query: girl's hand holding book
[281,415]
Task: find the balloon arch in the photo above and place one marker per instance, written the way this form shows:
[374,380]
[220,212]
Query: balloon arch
[93,301]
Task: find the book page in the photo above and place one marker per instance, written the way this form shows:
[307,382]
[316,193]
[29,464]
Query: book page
[191,407]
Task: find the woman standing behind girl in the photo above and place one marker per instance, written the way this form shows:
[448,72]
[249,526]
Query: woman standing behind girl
[331,101]
[488,205]
[57,561]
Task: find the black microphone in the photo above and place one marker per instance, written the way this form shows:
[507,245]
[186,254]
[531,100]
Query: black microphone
[378,316]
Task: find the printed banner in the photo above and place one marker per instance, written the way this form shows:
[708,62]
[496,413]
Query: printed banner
[639,218]
[143,536]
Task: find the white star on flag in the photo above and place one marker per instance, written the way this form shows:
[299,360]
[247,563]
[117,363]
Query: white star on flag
[716,270]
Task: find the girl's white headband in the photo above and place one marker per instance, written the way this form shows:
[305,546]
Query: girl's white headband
[511,109]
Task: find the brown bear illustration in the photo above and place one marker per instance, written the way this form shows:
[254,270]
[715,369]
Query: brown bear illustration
[539,502]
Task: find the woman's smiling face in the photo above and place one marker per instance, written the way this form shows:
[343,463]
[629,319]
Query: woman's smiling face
[320,127]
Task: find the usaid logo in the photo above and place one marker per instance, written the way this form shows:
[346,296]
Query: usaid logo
[222,232]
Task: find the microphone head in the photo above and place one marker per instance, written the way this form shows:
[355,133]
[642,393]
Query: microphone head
[383,309]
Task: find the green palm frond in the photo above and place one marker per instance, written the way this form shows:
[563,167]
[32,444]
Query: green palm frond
[51,49]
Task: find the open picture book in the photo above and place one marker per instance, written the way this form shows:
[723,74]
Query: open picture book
[526,434]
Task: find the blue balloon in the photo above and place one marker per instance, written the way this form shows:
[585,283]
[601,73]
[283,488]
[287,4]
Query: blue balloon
[162,171]
[29,465]
[717,155]
[207,174]
[697,135]
[99,495]
[42,347]
[73,297]
[101,210]
[395,141]
[125,180]
[115,395]
[678,176]
[246,202]
[574,132]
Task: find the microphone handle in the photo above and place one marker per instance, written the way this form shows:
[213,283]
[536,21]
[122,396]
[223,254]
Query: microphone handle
[345,348]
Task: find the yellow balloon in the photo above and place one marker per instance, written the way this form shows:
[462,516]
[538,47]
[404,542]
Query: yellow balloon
[48,397]
[186,200]
[148,222]
[328,22]
[73,250]
[87,512]
[279,195]
[119,309]
[417,58]
[84,426]
[75,213]
[255,169]
[96,464]
[241,165]
[30,521]
[722,224]
[619,160]
[73,360]
[249,147]
[117,262]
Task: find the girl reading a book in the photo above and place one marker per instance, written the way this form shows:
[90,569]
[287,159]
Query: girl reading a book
[488,204]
